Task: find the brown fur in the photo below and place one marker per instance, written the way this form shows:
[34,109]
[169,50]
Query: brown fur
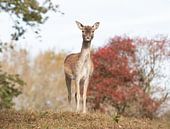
[70,64]
[79,66]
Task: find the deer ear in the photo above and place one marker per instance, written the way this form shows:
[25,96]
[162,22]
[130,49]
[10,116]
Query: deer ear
[80,26]
[96,25]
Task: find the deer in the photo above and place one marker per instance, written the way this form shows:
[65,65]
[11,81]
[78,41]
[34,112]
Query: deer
[79,66]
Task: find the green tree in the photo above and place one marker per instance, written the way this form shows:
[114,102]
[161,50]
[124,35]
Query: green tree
[24,14]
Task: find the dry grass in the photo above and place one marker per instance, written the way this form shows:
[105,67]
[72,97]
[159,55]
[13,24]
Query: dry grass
[70,120]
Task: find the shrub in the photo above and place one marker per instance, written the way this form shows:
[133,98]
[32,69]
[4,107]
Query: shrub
[10,87]
[116,80]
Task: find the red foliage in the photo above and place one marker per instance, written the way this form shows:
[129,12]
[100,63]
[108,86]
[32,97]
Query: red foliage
[115,78]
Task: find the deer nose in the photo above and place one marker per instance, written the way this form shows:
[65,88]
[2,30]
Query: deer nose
[88,37]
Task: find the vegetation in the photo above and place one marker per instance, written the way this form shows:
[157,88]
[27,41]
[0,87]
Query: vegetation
[44,78]
[10,86]
[23,14]
[26,13]
[71,120]
[125,74]
[127,80]
[117,85]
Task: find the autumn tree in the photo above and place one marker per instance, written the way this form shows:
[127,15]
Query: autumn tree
[151,62]
[43,76]
[117,79]
[48,78]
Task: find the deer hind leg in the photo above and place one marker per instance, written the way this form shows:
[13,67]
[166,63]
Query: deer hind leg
[68,84]
[86,82]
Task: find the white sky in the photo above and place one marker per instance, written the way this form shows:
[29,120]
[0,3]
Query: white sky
[145,18]
[116,17]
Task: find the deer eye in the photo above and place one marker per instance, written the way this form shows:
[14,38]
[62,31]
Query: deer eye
[83,31]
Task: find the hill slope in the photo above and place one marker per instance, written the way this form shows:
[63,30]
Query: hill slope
[70,120]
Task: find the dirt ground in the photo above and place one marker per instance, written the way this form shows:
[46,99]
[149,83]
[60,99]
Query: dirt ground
[69,120]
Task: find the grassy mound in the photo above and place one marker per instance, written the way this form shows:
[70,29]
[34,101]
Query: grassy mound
[70,120]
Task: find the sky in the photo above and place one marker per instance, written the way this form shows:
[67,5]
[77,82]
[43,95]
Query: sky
[145,18]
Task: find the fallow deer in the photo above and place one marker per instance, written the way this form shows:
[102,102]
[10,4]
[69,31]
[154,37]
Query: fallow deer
[79,66]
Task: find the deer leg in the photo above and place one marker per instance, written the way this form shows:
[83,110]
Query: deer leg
[68,84]
[86,82]
[81,85]
[77,95]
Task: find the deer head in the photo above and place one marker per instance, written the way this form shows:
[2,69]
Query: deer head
[87,31]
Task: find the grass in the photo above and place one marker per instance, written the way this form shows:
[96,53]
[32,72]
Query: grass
[11,119]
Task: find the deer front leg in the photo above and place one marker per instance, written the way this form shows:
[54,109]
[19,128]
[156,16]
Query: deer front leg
[86,82]
[77,95]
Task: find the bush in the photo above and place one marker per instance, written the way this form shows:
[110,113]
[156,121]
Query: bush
[10,87]
[116,80]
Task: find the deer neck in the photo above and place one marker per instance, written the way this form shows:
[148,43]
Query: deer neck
[85,50]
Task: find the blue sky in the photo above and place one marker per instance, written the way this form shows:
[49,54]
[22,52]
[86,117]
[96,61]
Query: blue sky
[145,18]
